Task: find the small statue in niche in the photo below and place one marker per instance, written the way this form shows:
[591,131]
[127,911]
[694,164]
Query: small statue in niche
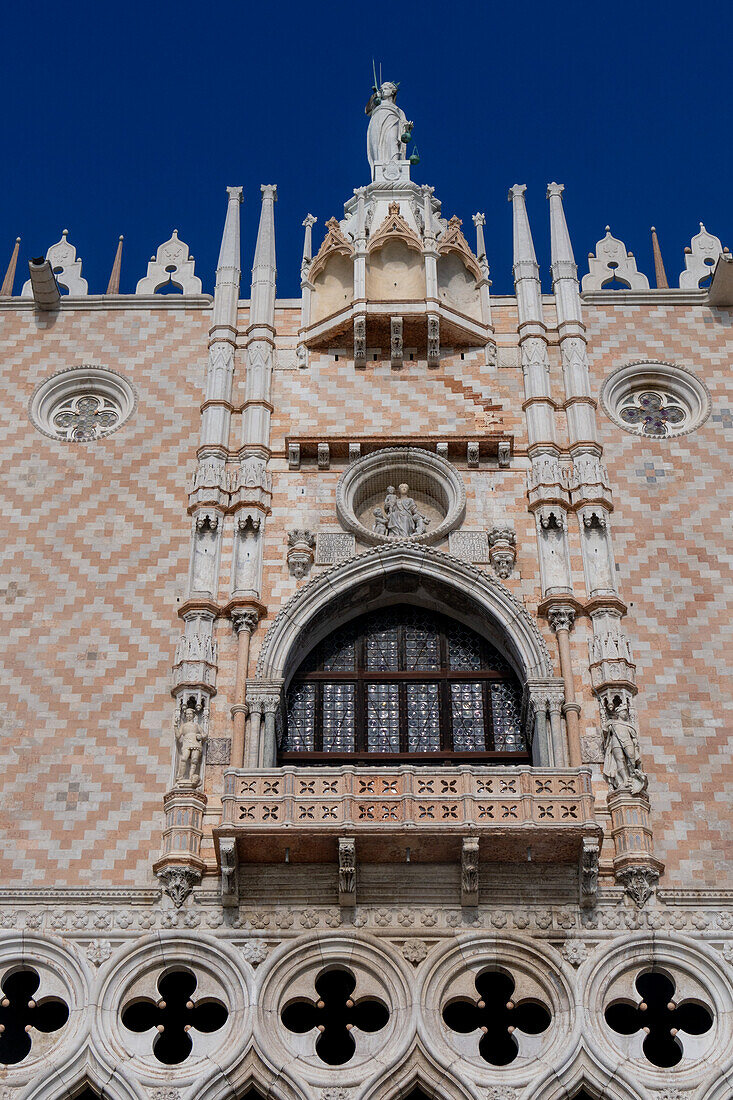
[380,523]
[400,515]
[191,738]
[622,759]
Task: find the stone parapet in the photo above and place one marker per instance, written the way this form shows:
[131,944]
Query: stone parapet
[511,810]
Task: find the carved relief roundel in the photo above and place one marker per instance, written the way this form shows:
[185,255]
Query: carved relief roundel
[82,404]
[655,399]
[400,493]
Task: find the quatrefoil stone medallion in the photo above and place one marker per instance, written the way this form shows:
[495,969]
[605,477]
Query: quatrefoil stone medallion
[497,1017]
[663,1020]
[174,1015]
[337,1015]
[22,1016]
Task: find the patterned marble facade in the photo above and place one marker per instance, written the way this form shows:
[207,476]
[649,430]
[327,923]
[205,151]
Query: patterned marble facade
[257,473]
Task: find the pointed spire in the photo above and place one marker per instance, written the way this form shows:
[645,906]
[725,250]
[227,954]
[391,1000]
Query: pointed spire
[6,291]
[262,309]
[479,220]
[523,243]
[113,286]
[308,222]
[526,271]
[229,253]
[561,248]
[659,272]
[228,268]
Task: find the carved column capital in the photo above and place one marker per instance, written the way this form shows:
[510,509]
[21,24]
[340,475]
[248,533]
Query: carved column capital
[243,619]
[561,617]
[639,883]
[178,882]
[347,871]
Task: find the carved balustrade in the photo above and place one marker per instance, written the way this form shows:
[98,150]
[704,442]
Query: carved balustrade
[520,813]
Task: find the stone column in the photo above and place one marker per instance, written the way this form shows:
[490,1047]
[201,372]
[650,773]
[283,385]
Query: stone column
[561,619]
[245,622]
[252,756]
[484,285]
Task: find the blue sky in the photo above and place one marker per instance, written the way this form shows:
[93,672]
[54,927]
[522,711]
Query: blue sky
[134,118]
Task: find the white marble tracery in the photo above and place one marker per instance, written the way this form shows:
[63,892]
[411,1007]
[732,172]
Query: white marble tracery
[66,268]
[171,264]
[611,263]
[257,970]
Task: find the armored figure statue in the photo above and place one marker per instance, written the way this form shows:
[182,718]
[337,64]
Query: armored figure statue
[191,738]
[399,517]
[389,130]
[622,760]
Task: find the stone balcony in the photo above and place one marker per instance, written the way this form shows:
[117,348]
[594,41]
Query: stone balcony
[297,814]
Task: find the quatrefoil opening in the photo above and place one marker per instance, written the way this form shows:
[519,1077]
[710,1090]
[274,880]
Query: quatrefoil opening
[336,1014]
[174,1015]
[21,1015]
[660,1017]
[497,1016]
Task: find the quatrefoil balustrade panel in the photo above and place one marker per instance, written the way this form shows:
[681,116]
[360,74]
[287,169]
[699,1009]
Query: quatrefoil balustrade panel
[667,1025]
[28,1018]
[335,1016]
[551,810]
[172,1022]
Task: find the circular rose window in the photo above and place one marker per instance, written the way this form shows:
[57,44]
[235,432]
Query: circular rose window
[400,493]
[82,404]
[655,399]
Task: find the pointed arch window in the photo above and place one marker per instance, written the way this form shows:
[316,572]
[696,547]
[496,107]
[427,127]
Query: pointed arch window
[403,684]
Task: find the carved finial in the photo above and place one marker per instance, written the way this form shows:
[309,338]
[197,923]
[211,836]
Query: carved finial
[6,291]
[170,264]
[394,208]
[613,264]
[479,219]
[309,221]
[113,286]
[659,272]
[700,259]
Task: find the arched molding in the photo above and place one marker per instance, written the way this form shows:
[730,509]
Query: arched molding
[63,974]
[252,1071]
[420,1069]
[583,1071]
[722,1088]
[539,973]
[440,482]
[395,573]
[88,1069]
[698,974]
[220,972]
[379,972]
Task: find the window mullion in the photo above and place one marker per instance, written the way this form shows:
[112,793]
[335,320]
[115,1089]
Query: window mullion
[318,731]
[488,716]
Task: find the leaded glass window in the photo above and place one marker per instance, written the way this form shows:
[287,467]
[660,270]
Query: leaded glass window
[403,683]
[652,412]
